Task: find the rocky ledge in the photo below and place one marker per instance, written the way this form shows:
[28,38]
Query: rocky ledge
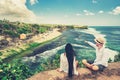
[110,73]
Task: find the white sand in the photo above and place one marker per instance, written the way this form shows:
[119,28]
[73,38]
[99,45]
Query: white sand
[46,36]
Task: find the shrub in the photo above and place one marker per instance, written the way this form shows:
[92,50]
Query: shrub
[14,71]
[117,57]
[0,53]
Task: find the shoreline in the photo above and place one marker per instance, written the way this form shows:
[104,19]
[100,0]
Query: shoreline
[46,36]
[40,39]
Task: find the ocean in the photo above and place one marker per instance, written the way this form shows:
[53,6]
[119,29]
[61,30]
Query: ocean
[77,37]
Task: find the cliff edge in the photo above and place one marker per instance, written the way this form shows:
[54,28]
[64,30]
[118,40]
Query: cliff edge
[110,73]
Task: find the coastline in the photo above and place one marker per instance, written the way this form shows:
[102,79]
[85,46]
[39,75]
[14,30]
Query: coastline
[46,36]
[39,39]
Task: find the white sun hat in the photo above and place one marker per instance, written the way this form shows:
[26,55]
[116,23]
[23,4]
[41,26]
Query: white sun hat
[100,40]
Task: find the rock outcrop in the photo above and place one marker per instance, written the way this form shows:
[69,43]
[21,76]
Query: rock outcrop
[110,73]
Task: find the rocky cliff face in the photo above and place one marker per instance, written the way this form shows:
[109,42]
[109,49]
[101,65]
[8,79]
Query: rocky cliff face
[110,73]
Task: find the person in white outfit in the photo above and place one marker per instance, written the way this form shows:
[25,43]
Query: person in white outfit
[102,55]
[68,62]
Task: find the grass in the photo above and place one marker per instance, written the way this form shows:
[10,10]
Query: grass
[21,52]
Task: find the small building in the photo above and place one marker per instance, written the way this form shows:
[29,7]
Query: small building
[22,36]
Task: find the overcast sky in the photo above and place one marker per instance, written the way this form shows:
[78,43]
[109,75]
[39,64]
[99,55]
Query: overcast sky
[80,12]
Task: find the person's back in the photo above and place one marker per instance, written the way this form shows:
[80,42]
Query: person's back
[64,64]
[68,61]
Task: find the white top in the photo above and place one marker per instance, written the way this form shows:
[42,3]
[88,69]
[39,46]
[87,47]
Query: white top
[102,55]
[64,64]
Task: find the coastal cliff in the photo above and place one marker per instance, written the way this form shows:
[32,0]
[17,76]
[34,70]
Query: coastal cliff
[110,73]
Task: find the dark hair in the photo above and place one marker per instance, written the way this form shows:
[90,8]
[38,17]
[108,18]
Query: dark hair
[70,57]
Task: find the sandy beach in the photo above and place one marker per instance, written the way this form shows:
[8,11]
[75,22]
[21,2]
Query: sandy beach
[40,38]
[46,36]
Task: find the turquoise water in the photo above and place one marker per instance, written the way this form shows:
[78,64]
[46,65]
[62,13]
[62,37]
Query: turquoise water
[112,34]
[77,37]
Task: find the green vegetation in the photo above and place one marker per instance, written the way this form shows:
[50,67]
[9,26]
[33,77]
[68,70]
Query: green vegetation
[117,57]
[0,53]
[18,54]
[16,70]
[13,54]
[14,29]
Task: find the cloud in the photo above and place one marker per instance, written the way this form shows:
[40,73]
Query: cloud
[32,2]
[88,12]
[78,14]
[101,12]
[94,1]
[16,10]
[116,11]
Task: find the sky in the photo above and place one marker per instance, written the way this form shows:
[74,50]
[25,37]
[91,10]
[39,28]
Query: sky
[73,12]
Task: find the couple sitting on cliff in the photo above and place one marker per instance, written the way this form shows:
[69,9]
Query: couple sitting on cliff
[69,58]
